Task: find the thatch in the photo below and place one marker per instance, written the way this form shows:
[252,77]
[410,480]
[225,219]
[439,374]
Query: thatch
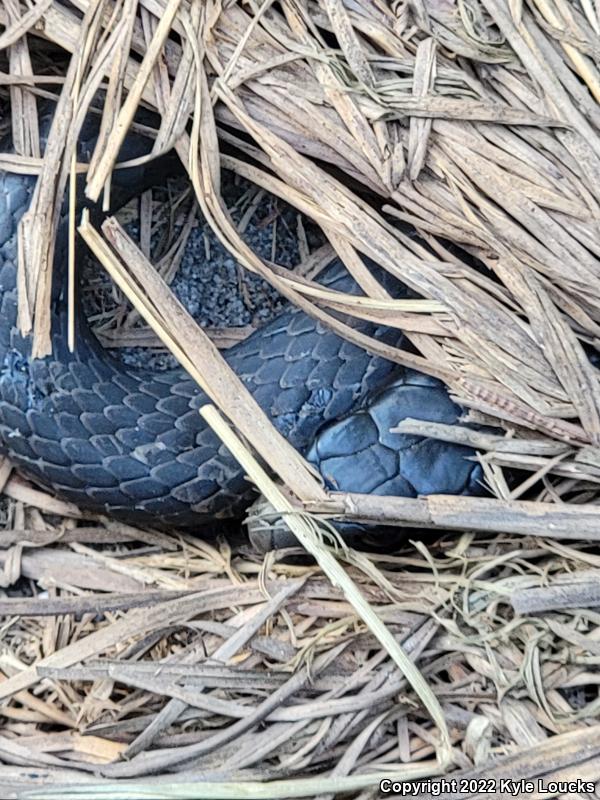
[476,123]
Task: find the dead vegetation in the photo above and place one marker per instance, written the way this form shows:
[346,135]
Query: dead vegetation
[209,669]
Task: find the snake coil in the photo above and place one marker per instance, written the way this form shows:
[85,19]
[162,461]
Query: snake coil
[132,444]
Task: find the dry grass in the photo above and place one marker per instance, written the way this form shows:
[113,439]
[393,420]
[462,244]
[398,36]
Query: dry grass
[139,653]
[134,653]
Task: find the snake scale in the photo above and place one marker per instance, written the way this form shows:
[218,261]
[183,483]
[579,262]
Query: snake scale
[132,444]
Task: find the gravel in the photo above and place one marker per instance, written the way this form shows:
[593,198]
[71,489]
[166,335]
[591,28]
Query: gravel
[211,285]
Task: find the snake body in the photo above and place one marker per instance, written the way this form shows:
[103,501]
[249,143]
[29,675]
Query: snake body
[132,444]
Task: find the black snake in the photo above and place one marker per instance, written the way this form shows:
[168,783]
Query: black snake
[132,444]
